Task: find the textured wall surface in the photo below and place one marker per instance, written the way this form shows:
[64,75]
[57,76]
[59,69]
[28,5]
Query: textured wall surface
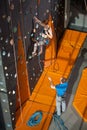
[14,12]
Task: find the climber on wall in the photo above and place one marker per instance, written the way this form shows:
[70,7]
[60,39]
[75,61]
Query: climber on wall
[60,94]
[41,38]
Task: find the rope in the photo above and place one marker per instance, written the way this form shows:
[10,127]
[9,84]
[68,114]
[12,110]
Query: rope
[23,28]
[85,4]
[35,119]
[39,62]
[11,25]
[59,122]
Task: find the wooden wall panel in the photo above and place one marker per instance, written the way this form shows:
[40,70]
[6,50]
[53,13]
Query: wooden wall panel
[23,92]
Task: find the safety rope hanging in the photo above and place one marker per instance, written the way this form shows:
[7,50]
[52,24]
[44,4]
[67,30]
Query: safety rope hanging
[85,4]
[39,59]
[22,22]
[13,44]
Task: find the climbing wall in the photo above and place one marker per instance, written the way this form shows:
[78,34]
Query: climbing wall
[23,11]
[8,45]
[43,97]
[31,9]
[23,89]
[42,10]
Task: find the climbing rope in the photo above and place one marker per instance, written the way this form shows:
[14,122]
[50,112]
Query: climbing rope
[59,122]
[39,62]
[35,119]
[85,5]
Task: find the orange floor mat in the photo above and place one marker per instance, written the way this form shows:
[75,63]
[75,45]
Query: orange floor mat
[28,109]
[71,43]
[80,100]
[43,97]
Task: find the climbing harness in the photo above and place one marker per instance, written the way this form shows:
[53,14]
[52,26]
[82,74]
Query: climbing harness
[35,119]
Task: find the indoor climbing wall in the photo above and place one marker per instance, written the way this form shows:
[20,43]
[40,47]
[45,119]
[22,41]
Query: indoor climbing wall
[8,47]
[23,12]
[41,10]
[58,11]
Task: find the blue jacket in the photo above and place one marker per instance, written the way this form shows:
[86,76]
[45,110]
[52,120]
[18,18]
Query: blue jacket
[61,88]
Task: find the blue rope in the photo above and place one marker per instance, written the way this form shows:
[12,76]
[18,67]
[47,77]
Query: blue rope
[35,119]
[59,122]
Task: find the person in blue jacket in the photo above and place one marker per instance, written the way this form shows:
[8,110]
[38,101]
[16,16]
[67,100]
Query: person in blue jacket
[60,94]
